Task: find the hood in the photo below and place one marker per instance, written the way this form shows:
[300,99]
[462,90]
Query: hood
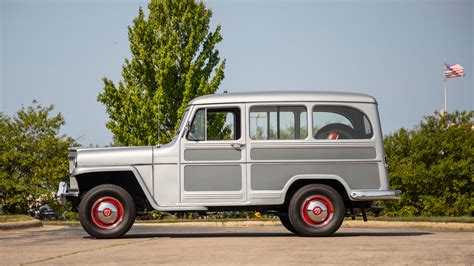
[113,156]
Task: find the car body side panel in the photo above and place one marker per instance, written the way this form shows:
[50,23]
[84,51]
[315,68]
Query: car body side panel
[146,174]
[166,174]
[166,184]
[378,135]
[212,178]
[313,153]
[276,175]
[276,197]
[227,154]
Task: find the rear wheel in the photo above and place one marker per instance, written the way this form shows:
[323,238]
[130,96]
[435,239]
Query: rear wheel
[316,210]
[107,211]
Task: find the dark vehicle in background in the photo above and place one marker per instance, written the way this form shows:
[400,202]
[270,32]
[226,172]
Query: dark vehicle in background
[45,212]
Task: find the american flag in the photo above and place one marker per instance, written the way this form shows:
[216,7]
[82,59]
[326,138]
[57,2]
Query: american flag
[453,71]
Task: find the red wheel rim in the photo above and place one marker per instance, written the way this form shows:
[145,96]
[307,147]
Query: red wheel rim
[107,213]
[317,211]
[333,135]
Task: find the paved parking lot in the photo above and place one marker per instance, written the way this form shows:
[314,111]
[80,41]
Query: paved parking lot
[151,244]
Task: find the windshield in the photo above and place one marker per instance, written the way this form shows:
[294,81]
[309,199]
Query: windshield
[181,124]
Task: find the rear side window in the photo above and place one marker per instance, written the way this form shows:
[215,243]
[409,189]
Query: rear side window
[340,122]
[278,122]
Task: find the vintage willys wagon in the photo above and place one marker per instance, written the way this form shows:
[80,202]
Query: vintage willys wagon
[308,156]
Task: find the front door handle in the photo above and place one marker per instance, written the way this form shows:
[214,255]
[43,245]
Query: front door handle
[237,146]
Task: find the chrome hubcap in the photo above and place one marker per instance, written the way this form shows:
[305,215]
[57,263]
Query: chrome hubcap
[317,210]
[107,213]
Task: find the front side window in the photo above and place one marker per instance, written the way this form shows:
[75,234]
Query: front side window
[340,122]
[278,122]
[215,124]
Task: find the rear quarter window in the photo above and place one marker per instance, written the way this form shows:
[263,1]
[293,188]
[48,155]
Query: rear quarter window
[340,122]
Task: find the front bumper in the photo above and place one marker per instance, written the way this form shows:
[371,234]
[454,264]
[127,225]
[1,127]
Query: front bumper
[63,193]
[366,195]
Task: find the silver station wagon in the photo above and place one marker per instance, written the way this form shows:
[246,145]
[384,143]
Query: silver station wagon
[309,157]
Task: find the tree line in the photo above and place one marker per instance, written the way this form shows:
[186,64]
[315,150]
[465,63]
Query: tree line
[433,165]
[33,158]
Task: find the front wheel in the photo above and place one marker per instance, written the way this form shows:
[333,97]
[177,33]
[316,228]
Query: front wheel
[316,210]
[107,211]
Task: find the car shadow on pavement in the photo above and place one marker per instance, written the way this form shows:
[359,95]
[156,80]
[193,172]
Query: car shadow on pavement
[351,234]
[277,234]
[207,235]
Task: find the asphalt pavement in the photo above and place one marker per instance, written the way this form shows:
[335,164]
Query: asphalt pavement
[152,244]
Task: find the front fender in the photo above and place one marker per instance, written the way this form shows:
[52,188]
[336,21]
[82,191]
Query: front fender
[87,170]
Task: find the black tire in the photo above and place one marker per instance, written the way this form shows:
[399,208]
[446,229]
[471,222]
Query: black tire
[342,131]
[285,221]
[316,210]
[113,198]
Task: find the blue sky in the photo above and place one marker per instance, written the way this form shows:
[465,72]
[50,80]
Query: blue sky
[57,52]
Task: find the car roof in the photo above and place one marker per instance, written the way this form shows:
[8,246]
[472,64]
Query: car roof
[283,96]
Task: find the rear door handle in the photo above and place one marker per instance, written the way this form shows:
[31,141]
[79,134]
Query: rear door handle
[237,146]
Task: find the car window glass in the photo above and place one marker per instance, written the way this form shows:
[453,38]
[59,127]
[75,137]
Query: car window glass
[278,122]
[197,131]
[220,125]
[340,122]
[215,124]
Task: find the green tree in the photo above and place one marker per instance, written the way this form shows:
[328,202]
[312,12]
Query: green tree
[433,165]
[33,157]
[217,128]
[174,60]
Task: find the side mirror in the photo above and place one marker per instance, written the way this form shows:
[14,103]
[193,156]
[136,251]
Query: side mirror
[187,127]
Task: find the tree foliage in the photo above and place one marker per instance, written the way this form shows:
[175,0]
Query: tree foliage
[174,60]
[433,165]
[33,157]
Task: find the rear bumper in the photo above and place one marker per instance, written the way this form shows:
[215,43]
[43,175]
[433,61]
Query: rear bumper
[63,193]
[365,195]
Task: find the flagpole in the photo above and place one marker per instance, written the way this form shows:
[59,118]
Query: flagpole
[445,95]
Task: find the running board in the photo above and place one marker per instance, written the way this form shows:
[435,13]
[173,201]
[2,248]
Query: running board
[181,208]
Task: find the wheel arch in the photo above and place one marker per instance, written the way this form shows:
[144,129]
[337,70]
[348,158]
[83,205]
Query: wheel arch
[126,177]
[333,181]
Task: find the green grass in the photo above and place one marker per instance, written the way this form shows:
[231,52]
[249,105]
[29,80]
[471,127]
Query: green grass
[14,218]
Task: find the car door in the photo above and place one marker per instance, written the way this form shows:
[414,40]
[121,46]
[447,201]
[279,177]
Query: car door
[213,156]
